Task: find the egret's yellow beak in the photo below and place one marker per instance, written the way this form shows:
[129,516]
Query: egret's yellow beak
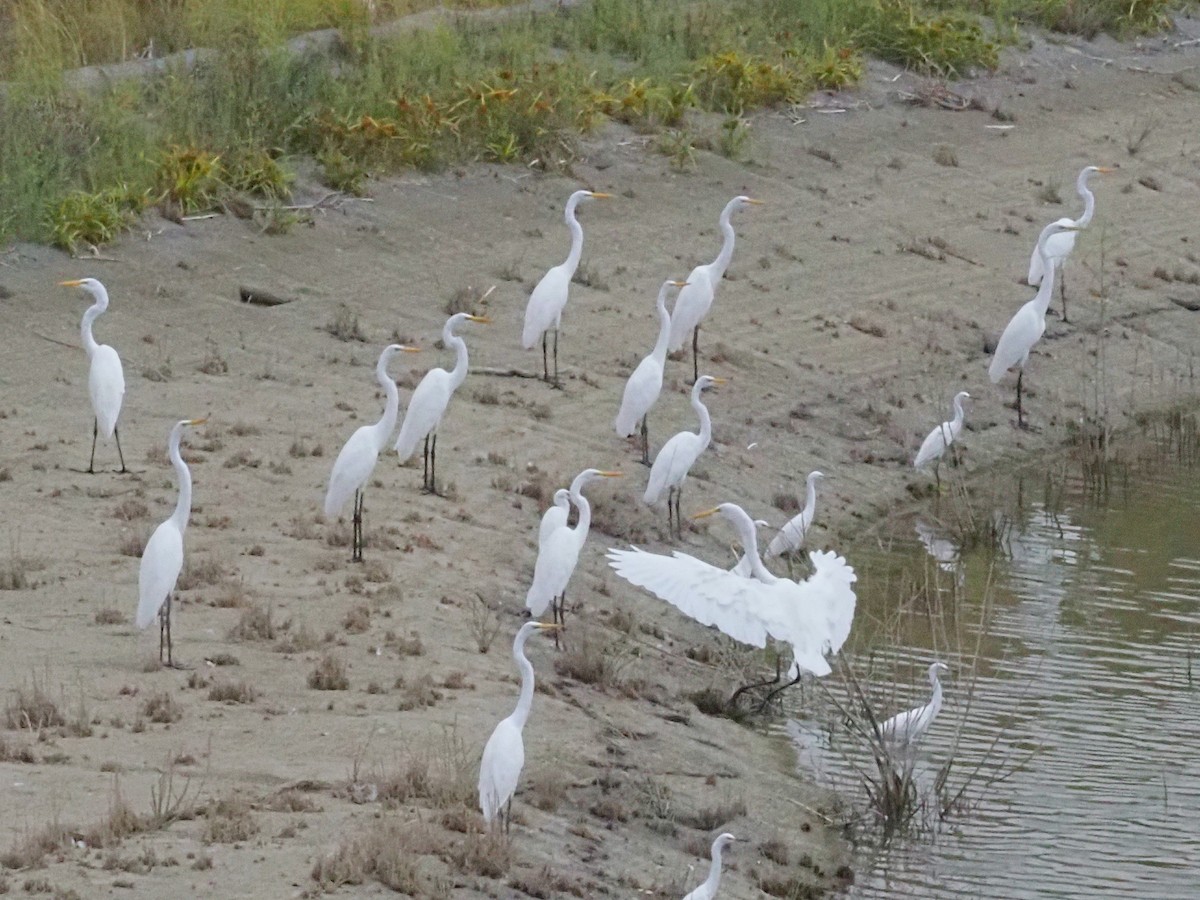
[546,627]
[407,349]
[1105,170]
[74,282]
[197,421]
[755,202]
[611,474]
[599,195]
[482,320]
[681,284]
[706,513]
[717,380]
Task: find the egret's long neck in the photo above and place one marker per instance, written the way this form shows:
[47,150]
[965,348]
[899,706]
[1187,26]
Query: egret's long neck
[459,373]
[956,425]
[714,872]
[585,518]
[85,328]
[705,419]
[382,430]
[810,502]
[721,263]
[935,701]
[1046,288]
[664,328]
[183,506]
[1089,200]
[749,537]
[576,239]
[525,700]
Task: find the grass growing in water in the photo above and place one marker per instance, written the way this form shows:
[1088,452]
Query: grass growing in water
[519,89]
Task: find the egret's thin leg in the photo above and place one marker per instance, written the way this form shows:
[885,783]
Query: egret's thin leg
[678,515]
[356,540]
[671,511]
[1020,415]
[167,619]
[732,702]
[779,690]
[1062,288]
[557,383]
[545,362]
[433,464]
[162,635]
[117,435]
[508,816]
[937,468]
[695,354]
[95,433]
[645,440]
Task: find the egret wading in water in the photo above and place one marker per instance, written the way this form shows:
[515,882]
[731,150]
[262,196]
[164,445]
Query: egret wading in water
[1059,247]
[559,554]
[678,455]
[907,728]
[430,399]
[1028,325]
[162,560]
[556,516]
[696,299]
[645,384]
[356,461]
[504,753]
[938,441]
[106,379]
[708,890]
[544,311]
[812,616]
[791,537]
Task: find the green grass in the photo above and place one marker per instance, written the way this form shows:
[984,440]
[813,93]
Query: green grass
[72,162]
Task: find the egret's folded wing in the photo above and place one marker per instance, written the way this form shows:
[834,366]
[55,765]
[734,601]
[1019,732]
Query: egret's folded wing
[705,593]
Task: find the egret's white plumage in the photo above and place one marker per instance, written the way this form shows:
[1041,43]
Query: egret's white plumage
[559,553]
[432,396]
[791,536]
[1060,245]
[1026,327]
[675,459]
[908,727]
[504,753]
[162,560]
[544,310]
[556,516]
[106,378]
[708,890]
[645,384]
[356,460]
[695,300]
[812,616]
[939,440]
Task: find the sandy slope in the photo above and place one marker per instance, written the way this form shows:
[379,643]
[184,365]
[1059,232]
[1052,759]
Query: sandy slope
[842,350]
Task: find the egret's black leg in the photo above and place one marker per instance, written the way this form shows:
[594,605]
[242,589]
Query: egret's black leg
[1062,292]
[779,690]
[937,466]
[645,440]
[1020,414]
[695,354]
[162,635]
[545,362]
[117,435]
[508,816]
[756,684]
[356,540]
[433,464]
[557,383]
[167,620]
[95,434]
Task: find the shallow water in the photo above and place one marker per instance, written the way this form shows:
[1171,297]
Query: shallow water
[1086,694]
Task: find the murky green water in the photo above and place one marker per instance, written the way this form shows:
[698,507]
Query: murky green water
[1085,694]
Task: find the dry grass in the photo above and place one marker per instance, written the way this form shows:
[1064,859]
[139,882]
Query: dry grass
[255,624]
[329,675]
[232,692]
[33,708]
[228,821]
[109,616]
[162,708]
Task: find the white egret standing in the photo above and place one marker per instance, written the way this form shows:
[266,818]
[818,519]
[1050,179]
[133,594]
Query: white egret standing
[1029,324]
[791,536]
[708,890]
[939,440]
[556,516]
[504,753]
[1059,247]
[546,303]
[430,399]
[813,616]
[645,384]
[106,380]
[906,728]
[675,459]
[162,560]
[696,299]
[356,461]
[559,553]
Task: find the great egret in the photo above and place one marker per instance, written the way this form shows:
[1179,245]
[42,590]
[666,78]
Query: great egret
[559,553]
[677,456]
[813,616]
[106,380]
[791,536]
[556,516]
[358,456]
[1059,247]
[430,399]
[1029,324]
[645,384]
[708,890]
[546,303]
[906,728]
[694,301]
[162,559]
[504,753]
[939,440]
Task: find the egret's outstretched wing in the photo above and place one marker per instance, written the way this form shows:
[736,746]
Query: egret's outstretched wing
[830,584]
[705,593]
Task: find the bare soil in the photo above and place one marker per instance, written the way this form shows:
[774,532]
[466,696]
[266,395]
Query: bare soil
[861,297]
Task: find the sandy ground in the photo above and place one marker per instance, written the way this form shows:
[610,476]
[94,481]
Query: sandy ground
[842,349]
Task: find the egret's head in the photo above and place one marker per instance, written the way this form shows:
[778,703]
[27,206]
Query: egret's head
[195,421]
[528,629]
[937,667]
[598,195]
[704,382]
[815,476]
[743,201]
[458,318]
[723,841]
[392,349]
[91,285]
[583,196]
[562,497]
[1089,171]
[961,396]
[730,511]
